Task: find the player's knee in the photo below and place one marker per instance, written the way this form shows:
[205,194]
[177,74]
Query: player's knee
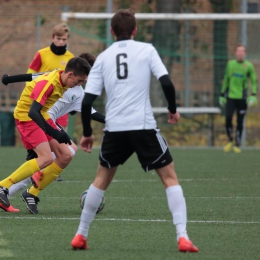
[45,160]
[66,157]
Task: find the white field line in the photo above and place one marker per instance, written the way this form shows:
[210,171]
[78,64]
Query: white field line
[158,180]
[136,220]
[147,198]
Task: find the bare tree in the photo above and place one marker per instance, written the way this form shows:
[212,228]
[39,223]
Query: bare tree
[220,44]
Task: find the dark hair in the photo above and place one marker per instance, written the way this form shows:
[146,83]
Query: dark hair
[78,66]
[88,57]
[123,23]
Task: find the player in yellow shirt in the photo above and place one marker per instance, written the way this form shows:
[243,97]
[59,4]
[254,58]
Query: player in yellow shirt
[39,132]
[52,57]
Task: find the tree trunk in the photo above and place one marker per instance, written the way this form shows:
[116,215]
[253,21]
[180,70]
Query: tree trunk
[219,45]
[166,41]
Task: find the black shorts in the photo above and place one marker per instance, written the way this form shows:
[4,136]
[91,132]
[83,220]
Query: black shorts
[149,145]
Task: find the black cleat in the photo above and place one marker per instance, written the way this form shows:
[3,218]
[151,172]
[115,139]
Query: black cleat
[59,178]
[4,196]
[31,201]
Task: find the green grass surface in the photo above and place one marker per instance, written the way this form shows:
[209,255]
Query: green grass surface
[222,196]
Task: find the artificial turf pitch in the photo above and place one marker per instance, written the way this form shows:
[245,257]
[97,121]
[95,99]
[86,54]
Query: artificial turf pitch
[222,195]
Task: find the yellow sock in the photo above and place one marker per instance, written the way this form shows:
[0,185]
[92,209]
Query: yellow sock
[49,174]
[24,171]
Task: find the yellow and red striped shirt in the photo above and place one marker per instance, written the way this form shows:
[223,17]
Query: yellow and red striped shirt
[45,89]
[45,60]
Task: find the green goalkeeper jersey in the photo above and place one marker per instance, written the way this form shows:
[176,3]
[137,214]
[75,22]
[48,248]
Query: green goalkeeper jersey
[235,83]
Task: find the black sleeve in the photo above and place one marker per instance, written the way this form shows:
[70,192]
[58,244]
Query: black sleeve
[169,92]
[86,113]
[73,112]
[98,117]
[36,116]
[16,78]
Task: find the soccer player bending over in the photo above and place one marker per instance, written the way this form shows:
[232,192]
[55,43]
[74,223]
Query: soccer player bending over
[39,132]
[71,101]
[125,69]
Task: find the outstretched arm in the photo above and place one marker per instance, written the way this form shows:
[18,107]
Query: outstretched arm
[86,141]
[6,79]
[169,92]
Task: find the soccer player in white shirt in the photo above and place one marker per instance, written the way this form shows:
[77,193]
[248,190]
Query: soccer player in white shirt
[124,70]
[71,101]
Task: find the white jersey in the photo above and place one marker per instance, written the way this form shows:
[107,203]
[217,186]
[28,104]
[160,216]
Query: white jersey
[125,70]
[71,101]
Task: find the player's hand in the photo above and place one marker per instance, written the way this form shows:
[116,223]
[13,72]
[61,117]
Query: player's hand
[222,101]
[61,137]
[173,118]
[86,143]
[5,79]
[251,101]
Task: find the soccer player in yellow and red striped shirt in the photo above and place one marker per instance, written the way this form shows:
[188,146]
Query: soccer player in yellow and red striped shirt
[39,132]
[52,57]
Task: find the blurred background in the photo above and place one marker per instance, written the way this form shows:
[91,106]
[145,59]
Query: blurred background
[195,53]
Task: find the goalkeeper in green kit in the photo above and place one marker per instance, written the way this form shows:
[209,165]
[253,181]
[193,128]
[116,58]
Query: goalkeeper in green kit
[234,95]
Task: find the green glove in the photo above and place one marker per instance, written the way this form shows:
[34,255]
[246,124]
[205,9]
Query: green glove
[222,101]
[251,101]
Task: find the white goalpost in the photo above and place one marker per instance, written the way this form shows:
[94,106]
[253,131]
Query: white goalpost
[201,51]
[65,16]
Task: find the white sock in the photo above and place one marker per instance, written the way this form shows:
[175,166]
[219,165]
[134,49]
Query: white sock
[53,155]
[72,150]
[19,186]
[92,201]
[177,206]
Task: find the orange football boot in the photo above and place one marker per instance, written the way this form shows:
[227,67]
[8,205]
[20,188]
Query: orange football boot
[79,242]
[185,245]
[9,209]
[35,178]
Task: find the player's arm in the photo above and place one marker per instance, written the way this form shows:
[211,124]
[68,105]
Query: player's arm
[98,117]
[6,79]
[86,113]
[225,85]
[225,82]
[253,79]
[36,116]
[169,92]
[36,64]
[252,100]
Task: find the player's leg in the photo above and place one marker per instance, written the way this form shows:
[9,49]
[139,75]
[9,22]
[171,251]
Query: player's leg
[230,109]
[44,159]
[153,153]
[94,196]
[63,122]
[32,136]
[241,112]
[49,174]
[110,157]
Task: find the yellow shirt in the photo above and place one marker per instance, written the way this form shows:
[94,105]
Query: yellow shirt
[45,89]
[45,60]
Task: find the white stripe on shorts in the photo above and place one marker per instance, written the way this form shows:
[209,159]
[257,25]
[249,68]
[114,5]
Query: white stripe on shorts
[100,153]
